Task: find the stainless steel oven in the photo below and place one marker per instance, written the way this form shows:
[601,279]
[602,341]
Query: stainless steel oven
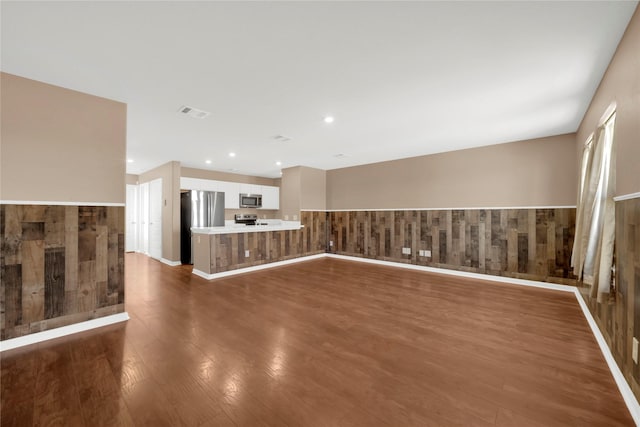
[250,200]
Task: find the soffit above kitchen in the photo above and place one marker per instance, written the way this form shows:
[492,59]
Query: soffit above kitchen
[400,79]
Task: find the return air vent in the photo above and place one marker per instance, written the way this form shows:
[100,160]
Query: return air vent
[193,112]
[281,138]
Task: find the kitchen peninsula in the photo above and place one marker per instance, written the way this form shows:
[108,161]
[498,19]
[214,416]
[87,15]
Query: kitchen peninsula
[225,250]
[266,225]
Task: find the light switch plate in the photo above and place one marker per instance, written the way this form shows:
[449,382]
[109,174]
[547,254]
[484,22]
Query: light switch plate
[331,243]
[427,253]
[246,254]
[634,351]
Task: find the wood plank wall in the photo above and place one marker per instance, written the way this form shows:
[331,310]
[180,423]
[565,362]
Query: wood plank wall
[523,243]
[228,250]
[60,265]
[618,316]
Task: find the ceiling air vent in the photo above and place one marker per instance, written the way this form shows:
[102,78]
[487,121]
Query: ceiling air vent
[281,138]
[193,112]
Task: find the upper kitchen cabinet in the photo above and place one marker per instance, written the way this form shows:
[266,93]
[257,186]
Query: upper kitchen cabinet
[250,189]
[270,197]
[232,191]
[200,184]
[231,195]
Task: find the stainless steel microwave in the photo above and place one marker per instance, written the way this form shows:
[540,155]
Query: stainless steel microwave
[250,200]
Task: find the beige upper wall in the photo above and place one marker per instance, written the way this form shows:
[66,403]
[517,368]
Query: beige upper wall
[170,175]
[290,193]
[302,187]
[225,176]
[60,145]
[539,172]
[132,179]
[313,188]
[620,84]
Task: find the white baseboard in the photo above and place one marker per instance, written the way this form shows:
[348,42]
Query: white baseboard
[171,263]
[202,274]
[629,398]
[255,267]
[479,276]
[627,197]
[623,386]
[62,331]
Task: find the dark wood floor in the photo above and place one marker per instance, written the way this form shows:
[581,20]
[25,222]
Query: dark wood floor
[325,342]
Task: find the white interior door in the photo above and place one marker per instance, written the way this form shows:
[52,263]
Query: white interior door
[155,218]
[143,229]
[132,218]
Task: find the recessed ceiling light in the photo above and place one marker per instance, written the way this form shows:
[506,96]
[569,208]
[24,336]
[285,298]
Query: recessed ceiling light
[129,160]
[232,154]
[278,163]
[208,162]
[329,119]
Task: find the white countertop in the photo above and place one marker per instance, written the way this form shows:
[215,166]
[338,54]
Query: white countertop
[231,227]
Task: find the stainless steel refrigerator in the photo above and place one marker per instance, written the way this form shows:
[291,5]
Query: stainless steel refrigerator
[198,209]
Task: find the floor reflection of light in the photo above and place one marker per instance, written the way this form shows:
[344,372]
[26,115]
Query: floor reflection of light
[233,387]
[278,362]
[279,359]
[207,369]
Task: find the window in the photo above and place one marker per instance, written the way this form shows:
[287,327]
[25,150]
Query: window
[592,255]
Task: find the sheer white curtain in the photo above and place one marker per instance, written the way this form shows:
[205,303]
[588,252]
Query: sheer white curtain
[592,255]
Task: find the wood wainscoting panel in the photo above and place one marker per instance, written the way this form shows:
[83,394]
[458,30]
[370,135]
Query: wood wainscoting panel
[60,265]
[618,315]
[54,292]
[530,244]
[228,250]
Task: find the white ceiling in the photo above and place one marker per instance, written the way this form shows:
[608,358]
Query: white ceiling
[401,79]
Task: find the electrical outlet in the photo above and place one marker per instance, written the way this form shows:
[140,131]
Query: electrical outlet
[634,351]
[427,253]
[286,217]
[295,217]
[246,254]
[406,251]
[331,243]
